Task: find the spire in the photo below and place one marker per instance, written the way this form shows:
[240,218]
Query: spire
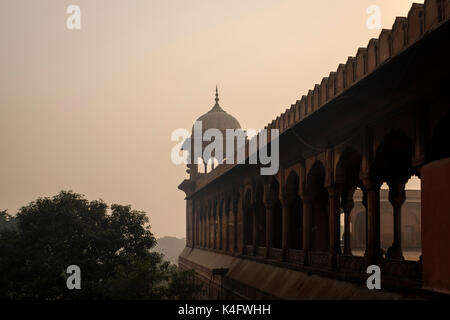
[217,96]
[216,107]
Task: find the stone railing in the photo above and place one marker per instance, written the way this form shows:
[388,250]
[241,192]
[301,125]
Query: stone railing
[249,250]
[261,252]
[276,254]
[319,259]
[401,269]
[396,272]
[351,264]
[295,257]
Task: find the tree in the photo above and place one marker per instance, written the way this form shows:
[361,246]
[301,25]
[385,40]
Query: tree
[6,221]
[112,251]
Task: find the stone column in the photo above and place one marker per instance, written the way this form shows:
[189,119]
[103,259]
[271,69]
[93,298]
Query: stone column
[334,227]
[373,221]
[269,227]
[235,227]
[194,226]
[255,229]
[208,227]
[210,239]
[347,206]
[307,211]
[366,216]
[201,230]
[397,197]
[193,230]
[285,204]
[205,229]
[187,222]
[244,235]
[220,225]
[227,230]
[214,228]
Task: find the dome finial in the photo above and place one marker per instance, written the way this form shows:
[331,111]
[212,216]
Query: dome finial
[217,95]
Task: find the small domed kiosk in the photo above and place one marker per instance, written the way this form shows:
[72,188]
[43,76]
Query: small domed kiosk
[216,118]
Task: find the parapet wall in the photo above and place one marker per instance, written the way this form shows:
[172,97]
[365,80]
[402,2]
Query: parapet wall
[247,279]
[422,18]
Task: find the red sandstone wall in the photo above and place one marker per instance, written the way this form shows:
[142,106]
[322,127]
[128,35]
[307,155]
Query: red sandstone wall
[436,225]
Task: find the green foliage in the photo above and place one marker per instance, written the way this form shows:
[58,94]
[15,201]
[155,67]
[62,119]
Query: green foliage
[6,221]
[112,250]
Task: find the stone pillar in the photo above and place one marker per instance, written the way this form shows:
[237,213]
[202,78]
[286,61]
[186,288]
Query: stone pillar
[205,231]
[188,221]
[397,197]
[334,227]
[193,226]
[210,240]
[244,227]
[366,216]
[201,230]
[227,230]
[212,231]
[269,227]
[235,227]
[255,229]
[220,225]
[373,221]
[208,227]
[347,206]
[285,204]
[214,228]
[307,211]
[195,229]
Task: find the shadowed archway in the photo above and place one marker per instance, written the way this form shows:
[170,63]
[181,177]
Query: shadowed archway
[320,208]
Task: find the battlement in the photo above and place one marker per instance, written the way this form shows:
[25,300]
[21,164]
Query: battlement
[421,19]
[406,31]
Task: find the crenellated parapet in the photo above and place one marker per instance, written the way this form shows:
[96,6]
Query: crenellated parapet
[421,19]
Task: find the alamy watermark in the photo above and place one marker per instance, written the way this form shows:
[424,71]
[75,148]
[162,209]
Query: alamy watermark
[74,280]
[73,22]
[374,280]
[195,149]
[374,20]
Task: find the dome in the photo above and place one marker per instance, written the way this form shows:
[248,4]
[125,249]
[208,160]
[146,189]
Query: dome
[217,118]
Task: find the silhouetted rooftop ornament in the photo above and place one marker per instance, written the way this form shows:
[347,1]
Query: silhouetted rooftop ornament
[218,118]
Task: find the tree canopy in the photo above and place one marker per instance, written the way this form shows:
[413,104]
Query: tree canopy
[110,245]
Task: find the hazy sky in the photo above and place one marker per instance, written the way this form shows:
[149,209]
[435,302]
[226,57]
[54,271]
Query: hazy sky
[92,110]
